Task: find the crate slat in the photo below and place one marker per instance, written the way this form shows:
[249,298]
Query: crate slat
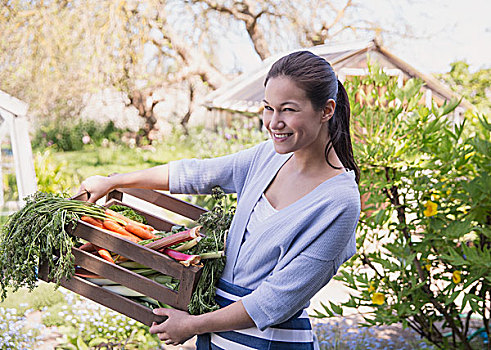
[160,199]
[107,298]
[133,251]
[125,277]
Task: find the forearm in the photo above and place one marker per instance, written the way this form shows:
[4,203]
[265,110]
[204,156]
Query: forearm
[231,317]
[156,178]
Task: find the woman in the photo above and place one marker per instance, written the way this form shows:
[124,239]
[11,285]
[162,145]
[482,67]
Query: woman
[298,206]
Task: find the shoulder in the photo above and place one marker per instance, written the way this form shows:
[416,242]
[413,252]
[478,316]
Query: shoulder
[340,193]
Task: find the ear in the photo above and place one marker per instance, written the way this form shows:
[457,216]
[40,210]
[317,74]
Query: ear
[328,110]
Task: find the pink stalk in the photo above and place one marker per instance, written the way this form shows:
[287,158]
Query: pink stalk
[183,258]
[176,238]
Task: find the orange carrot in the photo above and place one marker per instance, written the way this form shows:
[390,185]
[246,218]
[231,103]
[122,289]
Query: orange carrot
[127,220]
[139,231]
[104,253]
[92,221]
[117,228]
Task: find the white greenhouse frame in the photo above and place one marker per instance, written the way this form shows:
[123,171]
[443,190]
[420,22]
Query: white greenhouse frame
[13,122]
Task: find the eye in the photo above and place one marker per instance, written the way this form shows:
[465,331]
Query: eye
[288,109]
[268,108]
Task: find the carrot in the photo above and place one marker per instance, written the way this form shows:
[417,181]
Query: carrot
[117,215]
[88,247]
[114,227]
[92,221]
[139,231]
[104,253]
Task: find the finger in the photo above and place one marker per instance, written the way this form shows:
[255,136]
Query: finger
[81,189]
[92,199]
[161,312]
[156,328]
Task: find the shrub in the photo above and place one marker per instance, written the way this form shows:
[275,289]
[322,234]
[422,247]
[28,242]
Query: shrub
[68,135]
[423,238]
[54,176]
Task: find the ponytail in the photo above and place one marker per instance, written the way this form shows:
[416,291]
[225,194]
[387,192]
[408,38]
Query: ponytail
[339,133]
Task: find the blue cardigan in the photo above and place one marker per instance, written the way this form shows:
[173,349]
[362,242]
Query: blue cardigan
[300,247]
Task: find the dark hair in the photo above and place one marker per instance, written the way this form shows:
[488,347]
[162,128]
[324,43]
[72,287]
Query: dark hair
[316,77]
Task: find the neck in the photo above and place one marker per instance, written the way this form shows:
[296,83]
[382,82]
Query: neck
[313,160]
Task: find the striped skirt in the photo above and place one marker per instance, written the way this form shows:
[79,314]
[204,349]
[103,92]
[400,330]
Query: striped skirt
[295,334]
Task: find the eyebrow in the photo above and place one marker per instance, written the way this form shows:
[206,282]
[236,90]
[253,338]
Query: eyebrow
[284,103]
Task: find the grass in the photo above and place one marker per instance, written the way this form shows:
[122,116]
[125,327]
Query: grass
[44,295]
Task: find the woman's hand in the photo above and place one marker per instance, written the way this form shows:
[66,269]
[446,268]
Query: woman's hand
[176,329]
[97,186]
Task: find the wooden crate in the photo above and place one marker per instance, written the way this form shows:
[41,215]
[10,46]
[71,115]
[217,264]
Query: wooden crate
[187,276]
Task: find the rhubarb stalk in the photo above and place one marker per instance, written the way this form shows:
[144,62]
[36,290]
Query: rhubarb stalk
[176,238]
[184,259]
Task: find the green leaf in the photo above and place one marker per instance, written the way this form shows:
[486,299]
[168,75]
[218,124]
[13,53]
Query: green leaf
[81,344]
[450,106]
[96,341]
[452,297]
[318,314]
[336,308]
[329,312]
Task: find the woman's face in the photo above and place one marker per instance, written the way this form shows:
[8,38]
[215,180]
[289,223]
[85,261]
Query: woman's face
[291,119]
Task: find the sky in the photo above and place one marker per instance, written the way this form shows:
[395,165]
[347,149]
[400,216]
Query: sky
[440,32]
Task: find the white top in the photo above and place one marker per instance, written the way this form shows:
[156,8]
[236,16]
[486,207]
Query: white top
[261,212]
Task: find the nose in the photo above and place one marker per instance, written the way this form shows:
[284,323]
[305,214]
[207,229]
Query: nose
[276,122]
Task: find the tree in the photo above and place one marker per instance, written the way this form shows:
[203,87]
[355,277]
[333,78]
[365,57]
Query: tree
[474,87]
[58,50]
[423,240]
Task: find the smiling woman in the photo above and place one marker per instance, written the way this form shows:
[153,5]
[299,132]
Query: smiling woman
[297,209]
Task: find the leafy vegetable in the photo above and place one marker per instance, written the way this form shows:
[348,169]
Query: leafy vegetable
[128,212]
[40,229]
[216,224]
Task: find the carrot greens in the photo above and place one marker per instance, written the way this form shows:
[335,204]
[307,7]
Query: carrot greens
[216,224]
[40,228]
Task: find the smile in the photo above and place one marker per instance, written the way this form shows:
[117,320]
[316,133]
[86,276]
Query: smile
[281,137]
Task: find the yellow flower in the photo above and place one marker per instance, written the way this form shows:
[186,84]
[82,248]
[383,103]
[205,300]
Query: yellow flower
[427,263]
[371,286]
[378,298]
[448,192]
[468,155]
[431,208]
[456,277]
[435,197]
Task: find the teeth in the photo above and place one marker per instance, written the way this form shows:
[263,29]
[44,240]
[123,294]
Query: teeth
[281,136]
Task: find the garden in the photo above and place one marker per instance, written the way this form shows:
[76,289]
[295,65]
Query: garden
[420,278]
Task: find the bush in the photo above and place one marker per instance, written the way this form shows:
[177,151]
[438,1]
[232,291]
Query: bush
[67,135]
[54,176]
[423,238]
